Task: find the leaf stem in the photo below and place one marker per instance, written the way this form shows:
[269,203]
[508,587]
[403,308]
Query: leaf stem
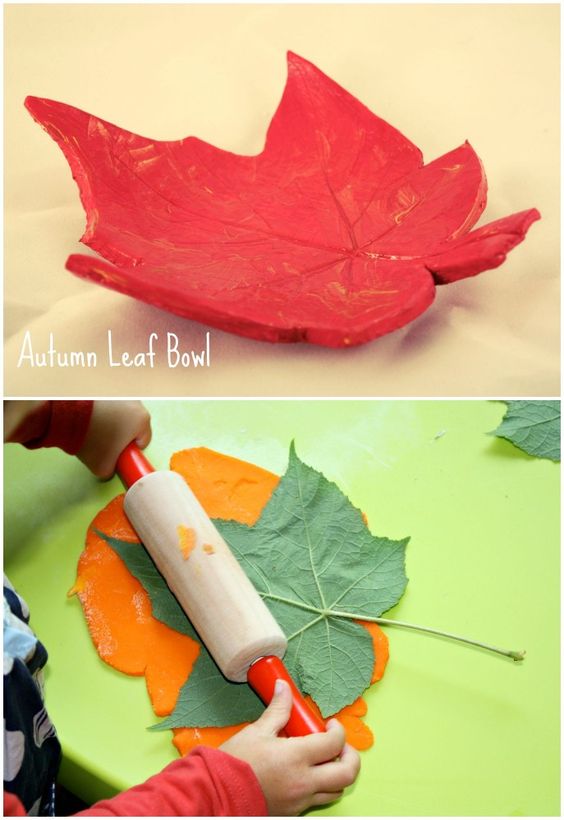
[508,653]
[335,613]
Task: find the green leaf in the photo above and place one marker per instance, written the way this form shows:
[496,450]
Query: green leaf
[533,426]
[318,568]
[209,699]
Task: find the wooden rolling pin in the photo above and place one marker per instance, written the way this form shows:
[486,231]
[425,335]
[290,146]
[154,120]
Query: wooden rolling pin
[230,617]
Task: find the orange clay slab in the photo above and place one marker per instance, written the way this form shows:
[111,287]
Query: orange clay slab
[118,610]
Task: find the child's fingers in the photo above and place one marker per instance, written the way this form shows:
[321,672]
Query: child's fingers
[322,798]
[144,435]
[350,756]
[338,774]
[277,713]
[320,748]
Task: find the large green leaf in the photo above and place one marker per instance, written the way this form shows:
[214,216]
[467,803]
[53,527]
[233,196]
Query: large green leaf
[318,568]
[533,426]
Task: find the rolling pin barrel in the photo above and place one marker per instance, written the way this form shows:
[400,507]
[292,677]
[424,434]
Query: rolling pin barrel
[208,582]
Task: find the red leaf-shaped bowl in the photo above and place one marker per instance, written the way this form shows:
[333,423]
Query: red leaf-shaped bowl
[336,233]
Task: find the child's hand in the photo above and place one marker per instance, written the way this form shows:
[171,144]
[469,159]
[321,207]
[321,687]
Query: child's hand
[114,425]
[295,773]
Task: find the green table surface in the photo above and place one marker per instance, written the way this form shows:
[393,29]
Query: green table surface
[458,731]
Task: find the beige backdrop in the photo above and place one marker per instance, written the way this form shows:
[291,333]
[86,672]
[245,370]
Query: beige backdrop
[440,73]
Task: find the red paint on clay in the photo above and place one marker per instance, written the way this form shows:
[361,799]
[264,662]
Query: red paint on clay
[335,234]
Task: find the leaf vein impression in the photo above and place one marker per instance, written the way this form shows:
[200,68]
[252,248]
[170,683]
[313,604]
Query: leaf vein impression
[260,573]
[542,421]
[357,581]
[308,537]
[304,628]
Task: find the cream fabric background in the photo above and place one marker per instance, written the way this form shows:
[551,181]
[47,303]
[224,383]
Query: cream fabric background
[440,73]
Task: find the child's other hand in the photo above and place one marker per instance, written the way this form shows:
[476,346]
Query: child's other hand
[114,425]
[295,773]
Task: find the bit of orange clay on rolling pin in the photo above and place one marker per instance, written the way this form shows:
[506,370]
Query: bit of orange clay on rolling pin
[229,615]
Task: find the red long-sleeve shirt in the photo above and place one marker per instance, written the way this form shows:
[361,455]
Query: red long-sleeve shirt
[207,782]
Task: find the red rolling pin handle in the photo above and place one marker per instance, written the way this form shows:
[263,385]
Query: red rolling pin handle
[263,674]
[133,465]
